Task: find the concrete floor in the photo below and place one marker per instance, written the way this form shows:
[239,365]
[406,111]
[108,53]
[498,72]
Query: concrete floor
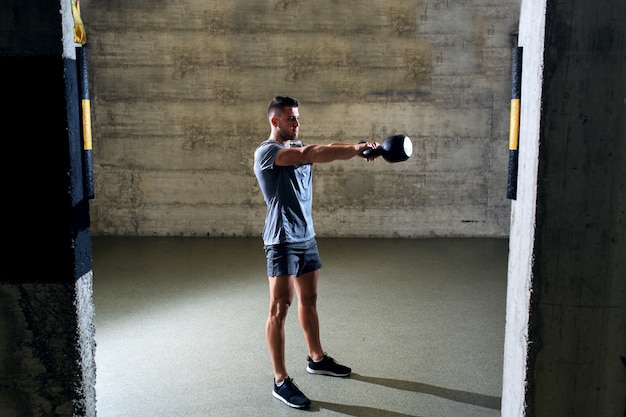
[180,328]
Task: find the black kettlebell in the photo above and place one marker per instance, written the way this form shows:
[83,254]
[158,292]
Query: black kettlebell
[396,148]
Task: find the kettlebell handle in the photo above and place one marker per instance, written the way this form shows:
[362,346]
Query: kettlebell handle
[396,148]
[372,152]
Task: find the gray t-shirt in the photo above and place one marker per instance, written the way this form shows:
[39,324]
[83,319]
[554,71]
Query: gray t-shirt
[288,193]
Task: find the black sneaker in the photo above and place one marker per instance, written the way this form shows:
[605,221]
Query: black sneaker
[290,394]
[327,366]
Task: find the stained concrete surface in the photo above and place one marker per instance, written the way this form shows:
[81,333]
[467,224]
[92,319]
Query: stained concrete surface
[180,328]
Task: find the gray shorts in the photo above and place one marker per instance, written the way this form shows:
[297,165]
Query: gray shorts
[292,258]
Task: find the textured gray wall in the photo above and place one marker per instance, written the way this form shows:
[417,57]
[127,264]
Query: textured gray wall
[565,344]
[179,96]
[47,338]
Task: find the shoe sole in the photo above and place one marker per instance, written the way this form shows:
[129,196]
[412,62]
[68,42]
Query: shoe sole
[324,372]
[292,405]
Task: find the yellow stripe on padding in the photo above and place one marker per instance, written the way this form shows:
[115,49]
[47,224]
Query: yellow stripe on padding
[514,127]
[87,125]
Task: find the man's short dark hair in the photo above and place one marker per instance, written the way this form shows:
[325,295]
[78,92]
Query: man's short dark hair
[280,102]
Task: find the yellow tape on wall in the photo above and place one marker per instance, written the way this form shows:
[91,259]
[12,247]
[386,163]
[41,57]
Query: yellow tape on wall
[86,125]
[514,126]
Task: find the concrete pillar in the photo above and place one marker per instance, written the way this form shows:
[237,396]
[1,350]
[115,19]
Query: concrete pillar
[47,365]
[565,344]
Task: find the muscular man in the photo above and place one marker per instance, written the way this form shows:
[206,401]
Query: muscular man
[283,167]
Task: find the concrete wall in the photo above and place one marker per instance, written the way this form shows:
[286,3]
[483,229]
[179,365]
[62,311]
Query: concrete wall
[565,344]
[179,96]
[47,337]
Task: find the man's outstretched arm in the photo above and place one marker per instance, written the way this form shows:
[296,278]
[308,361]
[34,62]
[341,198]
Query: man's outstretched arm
[321,153]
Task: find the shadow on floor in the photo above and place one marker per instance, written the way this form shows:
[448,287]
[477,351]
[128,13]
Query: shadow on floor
[355,410]
[450,394]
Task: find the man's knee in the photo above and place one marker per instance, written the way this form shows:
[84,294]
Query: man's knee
[308,300]
[280,308]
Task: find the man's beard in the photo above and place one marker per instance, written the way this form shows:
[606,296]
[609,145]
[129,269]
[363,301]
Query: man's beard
[288,136]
